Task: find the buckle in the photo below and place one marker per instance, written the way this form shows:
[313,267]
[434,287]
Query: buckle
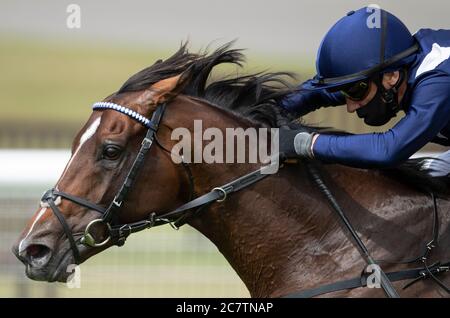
[47,195]
[151,220]
[117,203]
[223,192]
[121,231]
[147,143]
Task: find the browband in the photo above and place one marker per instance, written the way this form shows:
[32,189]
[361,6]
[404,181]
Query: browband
[124,110]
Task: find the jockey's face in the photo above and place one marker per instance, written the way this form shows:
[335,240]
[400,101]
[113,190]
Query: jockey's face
[389,80]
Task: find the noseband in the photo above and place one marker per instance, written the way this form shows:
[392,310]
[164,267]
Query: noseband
[117,234]
[111,212]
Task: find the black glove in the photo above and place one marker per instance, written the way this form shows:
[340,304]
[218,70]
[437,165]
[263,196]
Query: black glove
[294,144]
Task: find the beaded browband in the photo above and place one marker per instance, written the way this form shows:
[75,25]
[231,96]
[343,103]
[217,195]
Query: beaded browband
[124,110]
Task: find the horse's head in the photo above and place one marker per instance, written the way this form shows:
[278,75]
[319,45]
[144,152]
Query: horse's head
[122,178]
[92,186]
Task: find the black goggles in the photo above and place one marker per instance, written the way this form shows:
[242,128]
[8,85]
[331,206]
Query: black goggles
[356,91]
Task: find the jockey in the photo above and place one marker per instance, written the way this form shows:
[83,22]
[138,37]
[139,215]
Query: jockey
[370,61]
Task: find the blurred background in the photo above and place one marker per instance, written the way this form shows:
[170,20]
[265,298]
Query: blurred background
[51,74]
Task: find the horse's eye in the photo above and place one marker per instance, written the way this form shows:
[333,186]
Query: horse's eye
[111,152]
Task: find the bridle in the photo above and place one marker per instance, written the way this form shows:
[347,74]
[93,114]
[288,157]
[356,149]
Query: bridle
[118,233]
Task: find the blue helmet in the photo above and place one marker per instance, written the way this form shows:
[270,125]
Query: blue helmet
[363,43]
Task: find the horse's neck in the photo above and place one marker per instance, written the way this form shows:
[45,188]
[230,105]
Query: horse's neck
[270,232]
[280,235]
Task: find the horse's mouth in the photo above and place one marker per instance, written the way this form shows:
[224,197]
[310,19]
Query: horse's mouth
[64,268]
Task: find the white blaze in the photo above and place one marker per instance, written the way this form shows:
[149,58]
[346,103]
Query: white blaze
[85,137]
[41,213]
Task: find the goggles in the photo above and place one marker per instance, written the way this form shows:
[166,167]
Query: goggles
[356,91]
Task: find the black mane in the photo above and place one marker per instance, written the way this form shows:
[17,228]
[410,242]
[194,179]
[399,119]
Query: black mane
[253,97]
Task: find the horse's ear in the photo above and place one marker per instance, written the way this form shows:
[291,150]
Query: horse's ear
[167,89]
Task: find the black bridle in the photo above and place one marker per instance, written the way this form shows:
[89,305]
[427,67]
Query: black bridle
[118,233]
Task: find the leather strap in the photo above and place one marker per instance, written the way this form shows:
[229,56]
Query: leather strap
[119,233]
[217,194]
[416,274]
[67,231]
[388,288]
[80,201]
[147,142]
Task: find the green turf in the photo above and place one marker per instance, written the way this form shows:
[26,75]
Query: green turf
[44,82]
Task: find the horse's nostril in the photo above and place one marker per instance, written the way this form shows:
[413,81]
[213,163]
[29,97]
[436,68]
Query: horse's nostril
[38,255]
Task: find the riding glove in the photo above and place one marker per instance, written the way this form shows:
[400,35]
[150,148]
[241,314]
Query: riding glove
[296,144]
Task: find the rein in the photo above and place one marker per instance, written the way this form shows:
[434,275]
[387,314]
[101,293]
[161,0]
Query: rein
[118,233]
[417,274]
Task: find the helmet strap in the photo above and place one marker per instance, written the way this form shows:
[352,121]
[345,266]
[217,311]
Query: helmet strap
[390,96]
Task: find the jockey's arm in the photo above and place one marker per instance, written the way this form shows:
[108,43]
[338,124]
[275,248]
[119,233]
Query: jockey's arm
[302,101]
[427,115]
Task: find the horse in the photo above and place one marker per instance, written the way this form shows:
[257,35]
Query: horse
[279,234]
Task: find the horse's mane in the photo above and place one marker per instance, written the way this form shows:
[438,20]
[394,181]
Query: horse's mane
[253,97]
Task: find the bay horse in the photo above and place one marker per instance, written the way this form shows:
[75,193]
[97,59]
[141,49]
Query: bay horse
[279,234]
